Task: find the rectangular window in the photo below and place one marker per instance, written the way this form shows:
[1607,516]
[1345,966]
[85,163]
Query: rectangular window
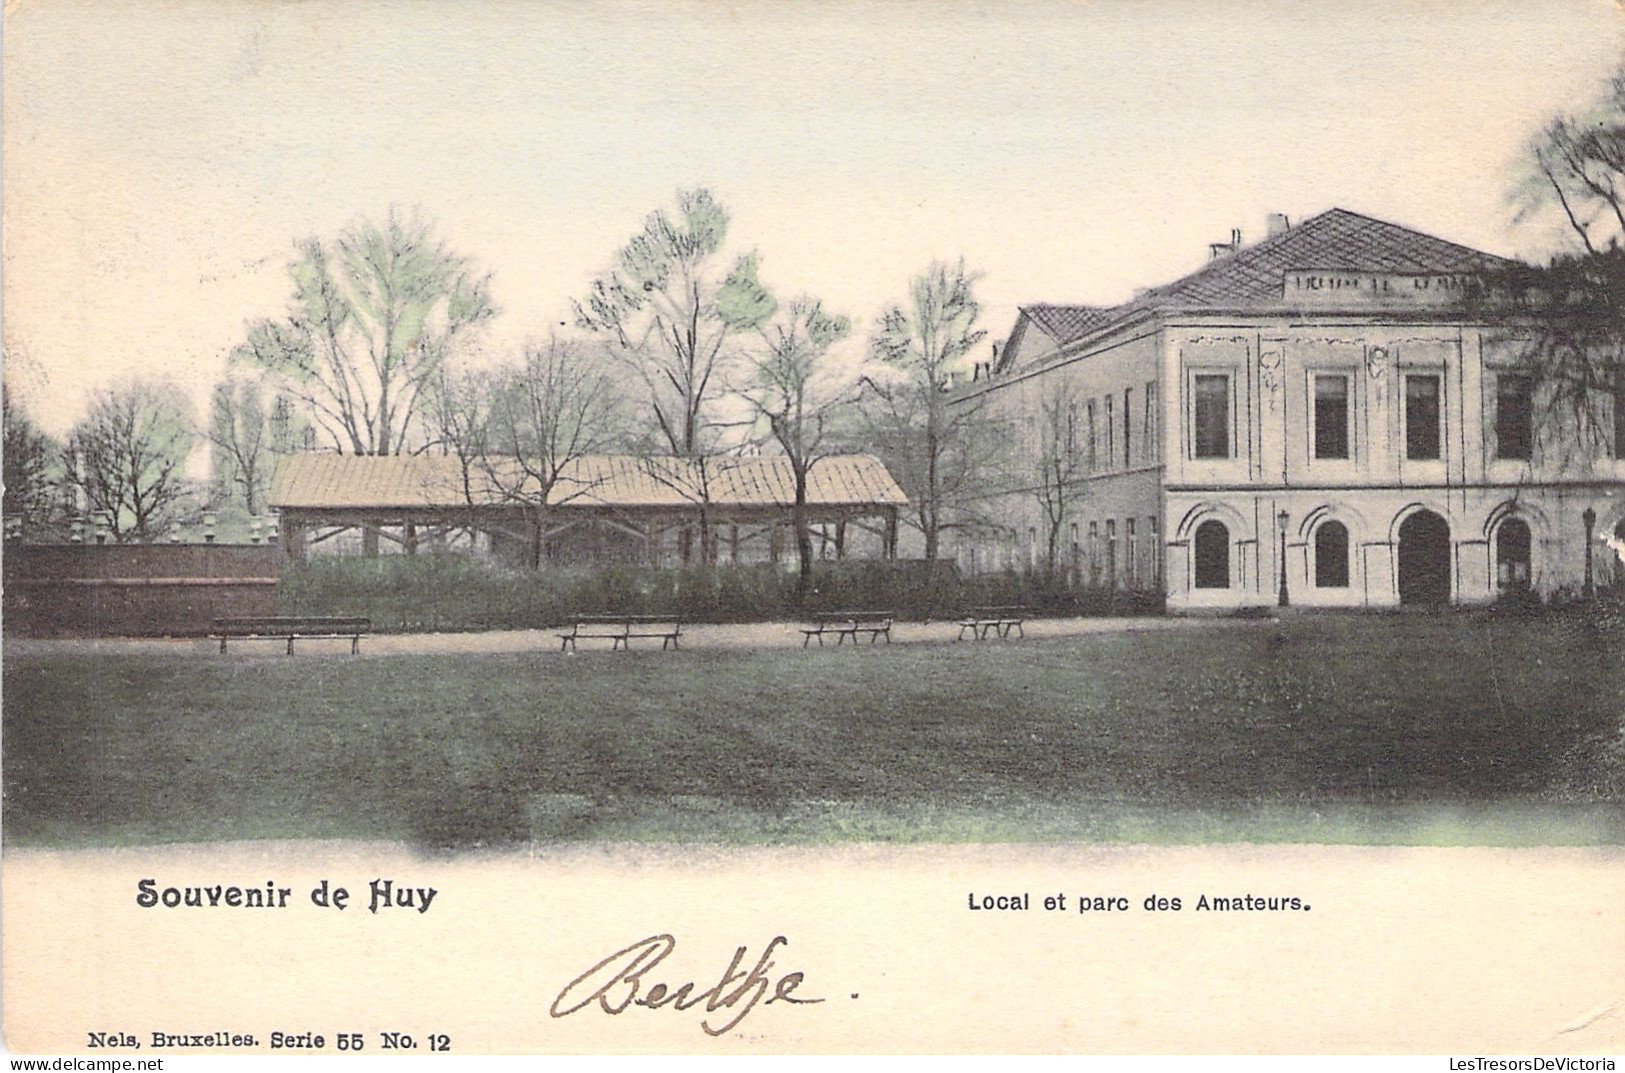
[1131,552]
[1514,416]
[1331,416]
[1111,553]
[1092,436]
[1156,550]
[1094,553]
[1111,431]
[1210,432]
[1128,431]
[1149,426]
[1422,417]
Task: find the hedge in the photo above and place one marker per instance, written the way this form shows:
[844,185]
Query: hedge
[450,592]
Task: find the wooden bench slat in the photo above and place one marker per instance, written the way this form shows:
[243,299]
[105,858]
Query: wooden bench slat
[980,621]
[620,630]
[844,624]
[291,628]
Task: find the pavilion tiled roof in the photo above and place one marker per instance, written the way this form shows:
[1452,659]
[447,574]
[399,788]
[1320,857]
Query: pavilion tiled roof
[330,481]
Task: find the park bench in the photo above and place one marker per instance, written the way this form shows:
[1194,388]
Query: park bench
[844,624]
[981,621]
[620,630]
[290,628]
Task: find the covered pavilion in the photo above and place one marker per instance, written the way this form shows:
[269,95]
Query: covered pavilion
[599,508]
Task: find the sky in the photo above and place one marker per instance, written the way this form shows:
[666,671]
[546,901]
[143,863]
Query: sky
[161,158]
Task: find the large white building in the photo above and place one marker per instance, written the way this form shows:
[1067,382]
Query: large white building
[1319,411]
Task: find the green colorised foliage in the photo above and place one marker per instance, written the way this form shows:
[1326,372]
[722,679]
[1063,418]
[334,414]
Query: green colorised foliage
[375,314]
[662,314]
[127,458]
[941,453]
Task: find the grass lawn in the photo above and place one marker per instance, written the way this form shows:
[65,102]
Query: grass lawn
[1464,728]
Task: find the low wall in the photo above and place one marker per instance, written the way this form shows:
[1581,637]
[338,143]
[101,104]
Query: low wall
[144,590]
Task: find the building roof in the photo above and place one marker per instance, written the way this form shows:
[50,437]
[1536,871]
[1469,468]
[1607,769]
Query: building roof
[1336,241]
[1066,323]
[404,482]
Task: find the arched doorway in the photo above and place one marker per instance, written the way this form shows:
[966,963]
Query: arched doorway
[1512,556]
[1424,559]
[1212,555]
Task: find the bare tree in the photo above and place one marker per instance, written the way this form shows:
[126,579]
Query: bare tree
[246,437]
[30,477]
[374,315]
[1059,464]
[127,457]
[545,420]
[935,446]
[1573,309]
[795,391]
[457,423]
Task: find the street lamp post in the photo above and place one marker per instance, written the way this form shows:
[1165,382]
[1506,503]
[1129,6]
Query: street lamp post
[1589,516]
[1283,518]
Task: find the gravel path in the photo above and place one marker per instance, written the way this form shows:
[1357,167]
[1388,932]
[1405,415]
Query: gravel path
[741,635]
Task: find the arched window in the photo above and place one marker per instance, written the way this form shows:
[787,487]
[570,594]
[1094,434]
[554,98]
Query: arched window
[1332,556]
[1212,556]
[1512,547]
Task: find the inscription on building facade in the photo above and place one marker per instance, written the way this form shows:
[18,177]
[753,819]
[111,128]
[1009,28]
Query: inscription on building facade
[1326,288]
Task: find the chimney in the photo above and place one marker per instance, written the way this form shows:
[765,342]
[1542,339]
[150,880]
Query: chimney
[1276,223]
[1217,250]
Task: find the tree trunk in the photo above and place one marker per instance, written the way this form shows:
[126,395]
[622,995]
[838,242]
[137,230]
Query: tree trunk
[804,551]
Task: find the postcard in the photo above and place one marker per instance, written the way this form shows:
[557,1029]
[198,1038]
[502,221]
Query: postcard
[783,528]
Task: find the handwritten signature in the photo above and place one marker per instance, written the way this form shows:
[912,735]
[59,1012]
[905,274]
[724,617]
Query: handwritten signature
[621,981]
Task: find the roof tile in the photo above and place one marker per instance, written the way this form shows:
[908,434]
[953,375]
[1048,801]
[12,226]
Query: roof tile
[331,481]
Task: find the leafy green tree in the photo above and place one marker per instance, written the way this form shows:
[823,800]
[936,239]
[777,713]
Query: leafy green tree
[663,313]
[938,449]
[793,387]
[375,313]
